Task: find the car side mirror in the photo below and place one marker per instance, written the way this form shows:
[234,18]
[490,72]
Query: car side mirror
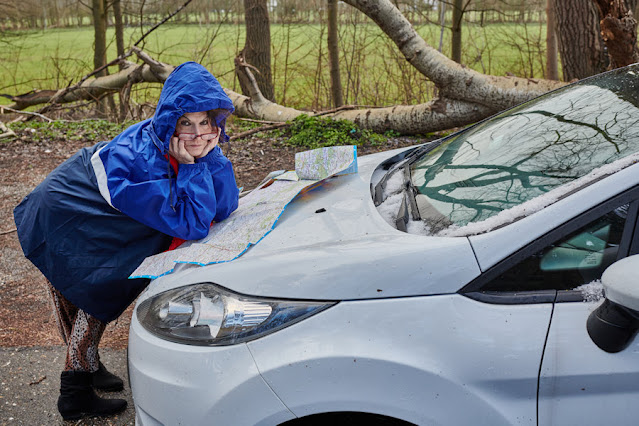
[615,322]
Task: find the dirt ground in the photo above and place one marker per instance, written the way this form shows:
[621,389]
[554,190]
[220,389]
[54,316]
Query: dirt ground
[26,318]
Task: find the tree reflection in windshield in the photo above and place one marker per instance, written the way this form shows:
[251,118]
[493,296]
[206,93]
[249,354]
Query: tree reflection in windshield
[529,150]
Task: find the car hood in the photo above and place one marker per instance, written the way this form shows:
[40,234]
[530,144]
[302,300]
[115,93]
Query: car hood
[332,244]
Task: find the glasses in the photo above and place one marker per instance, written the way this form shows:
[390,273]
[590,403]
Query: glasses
[193,136]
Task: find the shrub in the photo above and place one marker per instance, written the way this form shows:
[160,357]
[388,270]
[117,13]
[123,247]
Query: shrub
[317,132]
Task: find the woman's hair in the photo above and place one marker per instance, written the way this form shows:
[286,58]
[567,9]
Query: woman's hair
[218,116]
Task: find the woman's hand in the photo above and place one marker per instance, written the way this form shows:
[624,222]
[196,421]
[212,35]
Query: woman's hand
[210,145]
[179,152]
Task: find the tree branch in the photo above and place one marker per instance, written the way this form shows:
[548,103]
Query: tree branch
[8,231]
[2,108]
[6,132]
[161,22]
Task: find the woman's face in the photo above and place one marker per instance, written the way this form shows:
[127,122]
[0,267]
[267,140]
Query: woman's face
[196,123]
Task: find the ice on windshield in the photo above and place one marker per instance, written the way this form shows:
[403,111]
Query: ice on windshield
[390,206]
[392,197]
[526,158]
[536,204]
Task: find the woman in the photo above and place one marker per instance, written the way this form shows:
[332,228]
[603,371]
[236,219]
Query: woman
[93,220]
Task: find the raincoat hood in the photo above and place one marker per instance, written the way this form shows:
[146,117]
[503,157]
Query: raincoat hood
[189,88]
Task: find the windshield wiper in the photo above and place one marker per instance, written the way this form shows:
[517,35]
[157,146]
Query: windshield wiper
[411,192]
[380,187]
[408,204]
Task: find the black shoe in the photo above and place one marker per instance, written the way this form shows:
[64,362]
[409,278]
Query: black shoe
[106,381]
[78,399]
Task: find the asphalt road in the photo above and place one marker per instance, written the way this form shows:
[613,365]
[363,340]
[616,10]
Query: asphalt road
[30,385]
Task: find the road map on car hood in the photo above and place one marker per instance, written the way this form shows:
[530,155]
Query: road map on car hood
[257,213]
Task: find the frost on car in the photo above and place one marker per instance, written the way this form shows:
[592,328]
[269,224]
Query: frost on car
[517,162]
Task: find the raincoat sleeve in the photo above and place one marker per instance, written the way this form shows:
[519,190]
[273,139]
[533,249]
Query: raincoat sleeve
[226,190]
[182,207]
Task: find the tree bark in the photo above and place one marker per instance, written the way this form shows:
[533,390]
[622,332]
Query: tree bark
[333,54]
[619,31]
[119,27]
[257,48]
[442,23]
[580,44]
[119,43]
[99,48]
[99,33]
[151,72]
[456,41]
[552,69]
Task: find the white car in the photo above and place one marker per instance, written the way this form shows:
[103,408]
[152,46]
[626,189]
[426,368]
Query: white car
[446,284]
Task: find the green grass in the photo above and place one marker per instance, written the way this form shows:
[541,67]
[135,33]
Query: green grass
[373,70]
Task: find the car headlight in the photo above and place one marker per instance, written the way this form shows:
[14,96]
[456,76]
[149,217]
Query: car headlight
[209,315]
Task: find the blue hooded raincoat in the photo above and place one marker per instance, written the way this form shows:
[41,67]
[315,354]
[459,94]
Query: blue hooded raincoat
[93,220]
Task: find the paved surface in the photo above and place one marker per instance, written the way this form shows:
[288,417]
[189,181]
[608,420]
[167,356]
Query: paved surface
[30,385]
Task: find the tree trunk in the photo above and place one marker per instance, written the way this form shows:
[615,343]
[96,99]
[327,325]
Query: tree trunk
[119,27]
[442,23]
[333,54]
[580,44]
[619,31]
[119,43]
[456,41]
[552,70]
[99,48]
[257,48]
[99,34]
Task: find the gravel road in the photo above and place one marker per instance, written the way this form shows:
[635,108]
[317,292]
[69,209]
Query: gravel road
[30,383]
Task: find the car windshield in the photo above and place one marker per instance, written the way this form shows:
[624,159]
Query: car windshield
[528,150]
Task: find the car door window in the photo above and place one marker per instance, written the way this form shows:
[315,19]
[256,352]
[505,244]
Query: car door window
[569,262]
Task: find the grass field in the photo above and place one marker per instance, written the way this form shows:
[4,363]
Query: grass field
[373,70]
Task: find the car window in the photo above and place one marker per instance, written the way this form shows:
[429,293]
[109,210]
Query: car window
[574,260]
[527,151]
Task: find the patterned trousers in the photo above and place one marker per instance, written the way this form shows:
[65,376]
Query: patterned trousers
[80,332]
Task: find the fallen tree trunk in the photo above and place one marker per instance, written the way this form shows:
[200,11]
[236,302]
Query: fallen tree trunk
[150,71]
[465,96]
[404,119]
[454,81]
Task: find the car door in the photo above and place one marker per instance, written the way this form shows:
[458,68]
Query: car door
[579,383]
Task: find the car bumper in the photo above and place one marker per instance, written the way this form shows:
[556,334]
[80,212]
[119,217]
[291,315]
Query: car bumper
[180,384]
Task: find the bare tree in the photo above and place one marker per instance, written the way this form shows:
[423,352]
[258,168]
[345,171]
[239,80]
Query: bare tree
[580,44]
[333,54]
[456,42]
[552,69]
[99,48]
[257,48]
[119,27]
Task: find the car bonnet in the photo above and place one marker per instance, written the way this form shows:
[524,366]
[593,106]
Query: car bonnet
[332,244]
